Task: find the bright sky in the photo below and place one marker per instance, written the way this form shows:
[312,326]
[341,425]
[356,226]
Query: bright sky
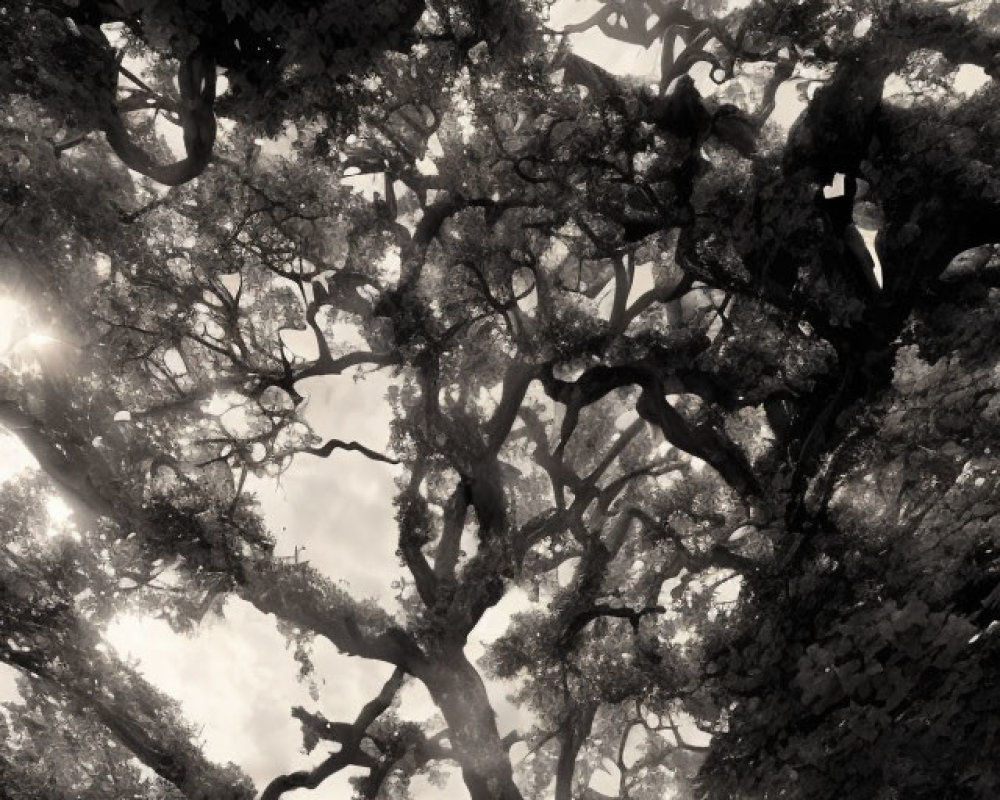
[236,678]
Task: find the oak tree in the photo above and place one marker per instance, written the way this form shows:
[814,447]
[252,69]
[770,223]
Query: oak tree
[716,394]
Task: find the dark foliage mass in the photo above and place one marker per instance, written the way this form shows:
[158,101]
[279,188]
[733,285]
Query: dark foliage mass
[718,395]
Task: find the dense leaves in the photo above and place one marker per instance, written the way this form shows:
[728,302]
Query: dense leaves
[708,398]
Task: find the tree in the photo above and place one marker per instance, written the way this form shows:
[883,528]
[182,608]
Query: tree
[58,754]
[281,61]
[645,369]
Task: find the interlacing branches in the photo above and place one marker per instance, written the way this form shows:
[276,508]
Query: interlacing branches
[636,354]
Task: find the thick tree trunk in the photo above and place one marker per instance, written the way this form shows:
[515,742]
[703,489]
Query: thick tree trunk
[458,691]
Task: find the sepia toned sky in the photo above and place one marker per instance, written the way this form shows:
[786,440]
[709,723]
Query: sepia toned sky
[236,677]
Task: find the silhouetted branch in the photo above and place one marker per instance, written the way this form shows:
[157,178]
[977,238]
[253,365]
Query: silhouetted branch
[350,738]
[337,444]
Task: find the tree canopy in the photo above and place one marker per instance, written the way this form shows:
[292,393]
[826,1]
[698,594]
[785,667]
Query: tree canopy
[717,393]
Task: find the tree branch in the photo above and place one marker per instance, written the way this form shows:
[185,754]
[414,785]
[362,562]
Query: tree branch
[337,444]
[350,739]
[196,78]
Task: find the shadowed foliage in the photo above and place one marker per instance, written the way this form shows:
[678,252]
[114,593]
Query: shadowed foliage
[705,396]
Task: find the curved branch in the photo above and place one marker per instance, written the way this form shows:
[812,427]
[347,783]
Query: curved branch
[350,753]
[338,444]
[702,441]
[584,618]
[196,79]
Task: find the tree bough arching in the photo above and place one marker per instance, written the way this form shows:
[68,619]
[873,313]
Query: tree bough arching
[716,393]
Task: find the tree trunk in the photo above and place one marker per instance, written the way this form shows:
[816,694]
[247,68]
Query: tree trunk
[458,691]
[571,739]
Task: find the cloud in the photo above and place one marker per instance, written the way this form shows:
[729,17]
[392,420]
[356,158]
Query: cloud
[236,678]
[339,509]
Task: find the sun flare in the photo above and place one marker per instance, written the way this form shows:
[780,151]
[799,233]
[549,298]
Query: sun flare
[21,335]
[12,323]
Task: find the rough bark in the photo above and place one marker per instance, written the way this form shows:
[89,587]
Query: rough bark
[459,692]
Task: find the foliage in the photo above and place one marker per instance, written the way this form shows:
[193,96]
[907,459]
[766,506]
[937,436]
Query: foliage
[646,372]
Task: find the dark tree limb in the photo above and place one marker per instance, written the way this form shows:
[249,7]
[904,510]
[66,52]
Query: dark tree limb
[196,79]
[584,618]
[350,738]
[337,444]
[571,737]
[453,524]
